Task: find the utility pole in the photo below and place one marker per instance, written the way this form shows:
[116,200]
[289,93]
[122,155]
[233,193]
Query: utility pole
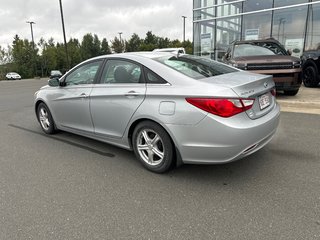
[184,28]
[30,22]
[64,35]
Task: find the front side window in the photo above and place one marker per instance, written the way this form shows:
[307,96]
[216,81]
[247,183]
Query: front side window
[85,74]
[195,67]
[121,71]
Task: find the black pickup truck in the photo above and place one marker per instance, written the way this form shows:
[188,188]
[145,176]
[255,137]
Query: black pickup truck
[311,68]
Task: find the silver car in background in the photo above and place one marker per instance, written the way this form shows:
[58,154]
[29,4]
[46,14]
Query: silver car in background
[167,108]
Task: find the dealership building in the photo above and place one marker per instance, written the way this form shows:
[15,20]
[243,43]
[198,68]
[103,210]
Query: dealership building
[217,23]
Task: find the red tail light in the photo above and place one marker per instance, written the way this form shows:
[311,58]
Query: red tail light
[222,107]
[274,92]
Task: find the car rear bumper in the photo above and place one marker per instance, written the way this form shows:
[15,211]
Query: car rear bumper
[215,140]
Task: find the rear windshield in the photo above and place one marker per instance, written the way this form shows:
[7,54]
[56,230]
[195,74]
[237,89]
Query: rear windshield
[195,67]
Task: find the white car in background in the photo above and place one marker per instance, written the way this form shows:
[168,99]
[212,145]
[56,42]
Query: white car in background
[13,76]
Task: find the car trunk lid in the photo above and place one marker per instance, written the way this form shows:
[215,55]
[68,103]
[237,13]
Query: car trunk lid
[249,86]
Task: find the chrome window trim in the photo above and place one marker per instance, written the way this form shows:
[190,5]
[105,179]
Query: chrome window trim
[258,11]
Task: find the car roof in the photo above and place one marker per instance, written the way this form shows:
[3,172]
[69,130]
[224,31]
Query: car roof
[149,55]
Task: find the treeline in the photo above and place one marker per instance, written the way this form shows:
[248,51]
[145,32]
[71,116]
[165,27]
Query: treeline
[37,60]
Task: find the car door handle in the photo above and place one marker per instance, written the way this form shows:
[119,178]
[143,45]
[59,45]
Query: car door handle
[131,94]
[83,95]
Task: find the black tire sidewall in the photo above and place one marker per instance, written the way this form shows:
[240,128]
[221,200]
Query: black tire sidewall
[167,162]
[51,129]
[314,81]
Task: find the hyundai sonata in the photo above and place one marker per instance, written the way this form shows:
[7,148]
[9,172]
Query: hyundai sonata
[168,108]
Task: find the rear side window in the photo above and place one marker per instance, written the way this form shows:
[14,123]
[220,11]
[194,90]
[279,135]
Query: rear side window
[195,67]
[153,78]
[121,71]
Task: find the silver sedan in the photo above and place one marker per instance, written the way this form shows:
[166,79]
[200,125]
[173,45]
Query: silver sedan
[168,108]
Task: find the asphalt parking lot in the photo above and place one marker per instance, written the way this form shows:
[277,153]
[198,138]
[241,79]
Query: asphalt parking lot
[69,187]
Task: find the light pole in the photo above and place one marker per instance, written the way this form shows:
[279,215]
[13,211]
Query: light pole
[281,20]
[120,33]
[33,53]
[30,22]
[184,28]
[64,35]
[122,45]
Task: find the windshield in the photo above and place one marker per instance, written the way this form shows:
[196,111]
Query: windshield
[195,67]
[258,49]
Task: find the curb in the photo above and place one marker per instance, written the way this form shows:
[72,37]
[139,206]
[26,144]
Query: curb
[300,106]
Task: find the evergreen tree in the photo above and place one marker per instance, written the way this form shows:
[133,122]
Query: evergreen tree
[133,44]
[105,49]
[117,45]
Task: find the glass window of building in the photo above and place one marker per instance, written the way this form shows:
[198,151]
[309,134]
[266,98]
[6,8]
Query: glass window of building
[225,9]
[257,26]
[254,5]
[203,9]
[313,28]
[289,28]
[282,3]
[219,22]
[204,35]
[228,30]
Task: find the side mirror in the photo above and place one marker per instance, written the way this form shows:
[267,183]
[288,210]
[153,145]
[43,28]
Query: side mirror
[226,56]
[54,82]
[289,51]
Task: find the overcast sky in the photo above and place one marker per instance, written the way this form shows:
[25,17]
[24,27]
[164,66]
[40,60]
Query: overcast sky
[102,17]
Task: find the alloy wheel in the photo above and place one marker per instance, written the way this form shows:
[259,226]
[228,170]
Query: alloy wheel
[150,147]
[44,118]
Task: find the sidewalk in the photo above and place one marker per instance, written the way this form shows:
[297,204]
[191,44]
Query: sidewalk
[306,101]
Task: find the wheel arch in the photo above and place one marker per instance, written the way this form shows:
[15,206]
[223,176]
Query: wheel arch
[36,105]
[177,155]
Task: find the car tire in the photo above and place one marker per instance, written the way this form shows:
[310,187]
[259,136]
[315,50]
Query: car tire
[153,147]
[45,119]
[291,92]
[310,76]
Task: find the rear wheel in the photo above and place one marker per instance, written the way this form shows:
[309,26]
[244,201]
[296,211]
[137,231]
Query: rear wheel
[45,119]
[310,76]
[153,147]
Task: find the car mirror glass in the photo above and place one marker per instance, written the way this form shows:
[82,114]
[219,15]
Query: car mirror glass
[54,82]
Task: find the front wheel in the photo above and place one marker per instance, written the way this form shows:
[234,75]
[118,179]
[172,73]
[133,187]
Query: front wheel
[310,76]
[153,147]
[45,119]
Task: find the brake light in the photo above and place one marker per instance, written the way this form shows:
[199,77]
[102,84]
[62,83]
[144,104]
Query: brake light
[273,92]
[223,107]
